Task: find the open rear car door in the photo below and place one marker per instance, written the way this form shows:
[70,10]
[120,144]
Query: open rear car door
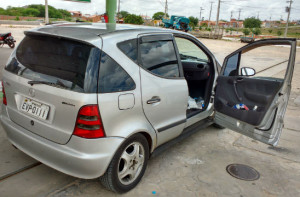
[251,105]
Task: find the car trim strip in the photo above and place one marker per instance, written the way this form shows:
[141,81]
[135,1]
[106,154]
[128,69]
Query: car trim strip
[171,125]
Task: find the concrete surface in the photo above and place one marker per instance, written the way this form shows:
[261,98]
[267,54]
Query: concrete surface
[193,167]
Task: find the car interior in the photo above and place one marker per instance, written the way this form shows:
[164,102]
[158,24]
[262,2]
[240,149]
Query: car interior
[199,73]
[199,76]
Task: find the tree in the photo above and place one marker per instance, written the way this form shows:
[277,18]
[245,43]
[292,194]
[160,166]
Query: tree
[2,11]
[270,31]
[204,25]
[14,11]
[246,31]
[53,13]
[159,15]
[30,12]
[193,21]
[36,11]
[123,14]
[256,31]
[252,23]
[65,14]
[279,33]
[40,8]
[231,29]
[133,19]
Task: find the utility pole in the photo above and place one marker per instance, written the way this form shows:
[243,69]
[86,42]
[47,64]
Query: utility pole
[257,15]
[210,13]
[201,13]
[288,17]
[218,13]
[238,23]
[240,14]
[217,22]
[166,8]
[46,12]
[231,14]
[118,11]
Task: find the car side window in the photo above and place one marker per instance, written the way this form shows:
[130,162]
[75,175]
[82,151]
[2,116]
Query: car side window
[189,50]
[113,78]
[232,66]
[269,61]
[129,48]
[159,58]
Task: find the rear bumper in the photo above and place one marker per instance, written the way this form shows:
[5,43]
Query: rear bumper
[82,158]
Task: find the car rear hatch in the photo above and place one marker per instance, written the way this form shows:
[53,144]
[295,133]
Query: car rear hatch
[47,80]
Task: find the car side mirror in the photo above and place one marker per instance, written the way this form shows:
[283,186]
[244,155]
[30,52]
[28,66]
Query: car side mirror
[246,71]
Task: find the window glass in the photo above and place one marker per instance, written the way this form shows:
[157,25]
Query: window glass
[267,61]
[71,64]
[129,48]
[159,57]
[189,50]
[113,78]
[232,65]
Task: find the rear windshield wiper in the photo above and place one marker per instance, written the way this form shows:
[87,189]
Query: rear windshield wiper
[58,83]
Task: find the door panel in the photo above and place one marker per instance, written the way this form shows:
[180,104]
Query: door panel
[167,116]
[253,92]
[265,98]
[164,89]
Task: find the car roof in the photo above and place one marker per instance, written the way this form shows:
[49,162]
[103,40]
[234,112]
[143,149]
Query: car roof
[91,31]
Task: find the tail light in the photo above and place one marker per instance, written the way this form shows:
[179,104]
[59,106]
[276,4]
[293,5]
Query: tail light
[9,34]
[4,95]
[88,123]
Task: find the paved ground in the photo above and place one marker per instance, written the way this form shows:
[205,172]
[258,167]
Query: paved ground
[193,167]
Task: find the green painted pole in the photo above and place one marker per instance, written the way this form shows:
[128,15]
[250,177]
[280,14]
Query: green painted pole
[111,7]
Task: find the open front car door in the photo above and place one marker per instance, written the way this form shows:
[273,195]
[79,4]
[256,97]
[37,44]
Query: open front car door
[253,101]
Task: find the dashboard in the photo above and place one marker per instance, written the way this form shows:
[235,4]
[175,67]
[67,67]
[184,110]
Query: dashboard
[195,70]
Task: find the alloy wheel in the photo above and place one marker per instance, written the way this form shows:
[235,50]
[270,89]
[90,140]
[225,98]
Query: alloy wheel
[131,163]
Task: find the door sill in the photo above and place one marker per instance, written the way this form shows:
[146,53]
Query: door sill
[185,133]
[190,113]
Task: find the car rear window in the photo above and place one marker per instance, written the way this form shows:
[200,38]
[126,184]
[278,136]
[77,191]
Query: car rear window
[129,48]
[113,78]
[73,64]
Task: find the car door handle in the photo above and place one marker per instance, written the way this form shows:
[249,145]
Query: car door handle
[154,99]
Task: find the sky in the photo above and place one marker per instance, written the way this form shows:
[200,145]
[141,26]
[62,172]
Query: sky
[265,9]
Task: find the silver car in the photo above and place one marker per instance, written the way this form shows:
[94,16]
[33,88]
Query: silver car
[97,100]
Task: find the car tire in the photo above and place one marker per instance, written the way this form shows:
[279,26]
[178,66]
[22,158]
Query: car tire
[124,162]
[218,126]
[11,45]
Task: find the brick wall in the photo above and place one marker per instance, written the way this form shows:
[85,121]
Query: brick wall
[5,17]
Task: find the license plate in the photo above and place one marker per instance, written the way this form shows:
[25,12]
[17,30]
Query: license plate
[35,108]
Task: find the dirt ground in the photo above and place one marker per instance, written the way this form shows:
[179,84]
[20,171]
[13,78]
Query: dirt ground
[193,167]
